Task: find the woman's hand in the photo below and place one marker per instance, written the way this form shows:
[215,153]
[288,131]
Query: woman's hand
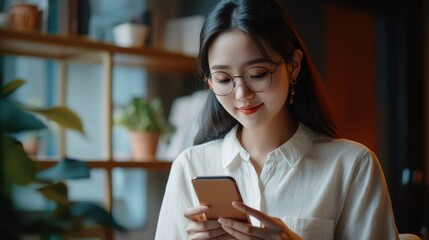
[273,228]
[201,228]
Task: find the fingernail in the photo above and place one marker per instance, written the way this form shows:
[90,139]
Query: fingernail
[237,204]
[204,208]
[221,221]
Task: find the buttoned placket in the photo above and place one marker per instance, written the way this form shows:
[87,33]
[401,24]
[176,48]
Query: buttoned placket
[255,186]
[267,169]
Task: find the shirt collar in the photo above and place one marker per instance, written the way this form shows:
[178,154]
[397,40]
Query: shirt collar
[292,151]
[231,147]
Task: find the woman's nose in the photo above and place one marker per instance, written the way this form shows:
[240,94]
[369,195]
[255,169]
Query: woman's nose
[241,90]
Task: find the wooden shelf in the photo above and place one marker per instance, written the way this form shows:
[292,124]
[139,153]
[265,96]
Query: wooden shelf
[66,49]
[149,164]
[37,44]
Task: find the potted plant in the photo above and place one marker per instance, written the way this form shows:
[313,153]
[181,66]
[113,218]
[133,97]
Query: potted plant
[68,218]
[146,122]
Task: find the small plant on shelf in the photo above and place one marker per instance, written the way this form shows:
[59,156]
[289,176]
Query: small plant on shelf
[146,122]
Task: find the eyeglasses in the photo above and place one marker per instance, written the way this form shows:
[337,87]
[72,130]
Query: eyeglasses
[256,79]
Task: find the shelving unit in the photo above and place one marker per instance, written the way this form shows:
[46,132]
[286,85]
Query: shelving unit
[65,49]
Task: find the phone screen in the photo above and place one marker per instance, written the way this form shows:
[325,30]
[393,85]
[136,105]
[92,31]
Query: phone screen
[218,193]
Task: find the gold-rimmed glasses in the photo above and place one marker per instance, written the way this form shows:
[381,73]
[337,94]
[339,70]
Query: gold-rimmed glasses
[256,79]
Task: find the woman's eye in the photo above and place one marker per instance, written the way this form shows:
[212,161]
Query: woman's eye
[259,75]
[223,81]
[221,78]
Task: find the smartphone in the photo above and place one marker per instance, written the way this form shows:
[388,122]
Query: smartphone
[218,193]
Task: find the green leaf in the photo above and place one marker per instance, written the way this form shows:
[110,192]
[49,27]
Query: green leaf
[10,87]
[17,166]
[14,120]
[65,169]
[56,192]
[61,115]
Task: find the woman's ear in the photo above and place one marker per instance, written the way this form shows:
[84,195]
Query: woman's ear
[296,64]
[208,82]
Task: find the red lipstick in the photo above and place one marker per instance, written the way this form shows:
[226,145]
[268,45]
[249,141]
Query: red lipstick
[247,110]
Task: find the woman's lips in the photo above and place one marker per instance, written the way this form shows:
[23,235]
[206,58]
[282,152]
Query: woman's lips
[247,110]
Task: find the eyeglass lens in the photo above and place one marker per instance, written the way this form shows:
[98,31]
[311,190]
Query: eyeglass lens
[256,79]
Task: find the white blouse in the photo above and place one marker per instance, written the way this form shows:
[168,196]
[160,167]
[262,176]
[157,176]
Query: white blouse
[322,188]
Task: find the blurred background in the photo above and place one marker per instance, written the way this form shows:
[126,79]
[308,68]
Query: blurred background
[372,54]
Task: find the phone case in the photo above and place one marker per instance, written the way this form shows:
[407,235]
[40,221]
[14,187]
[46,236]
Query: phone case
[218,193]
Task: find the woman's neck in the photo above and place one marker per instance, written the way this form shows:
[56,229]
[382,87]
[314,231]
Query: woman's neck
[259,142]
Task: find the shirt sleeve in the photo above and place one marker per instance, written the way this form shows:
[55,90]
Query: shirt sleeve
[171,222]
[367,212]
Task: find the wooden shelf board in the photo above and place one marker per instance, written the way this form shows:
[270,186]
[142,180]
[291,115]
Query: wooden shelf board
[149,164]
[37,44]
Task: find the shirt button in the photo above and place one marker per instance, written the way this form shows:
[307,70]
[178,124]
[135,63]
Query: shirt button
[244,155]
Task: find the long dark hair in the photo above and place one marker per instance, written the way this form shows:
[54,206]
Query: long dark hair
[265,20]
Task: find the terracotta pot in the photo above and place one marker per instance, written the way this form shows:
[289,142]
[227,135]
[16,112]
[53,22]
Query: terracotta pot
[143,145]
[31,146]
[24,16]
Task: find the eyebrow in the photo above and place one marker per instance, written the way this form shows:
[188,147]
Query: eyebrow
[251,62]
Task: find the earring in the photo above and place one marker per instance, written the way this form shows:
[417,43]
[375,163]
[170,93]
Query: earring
[292,91]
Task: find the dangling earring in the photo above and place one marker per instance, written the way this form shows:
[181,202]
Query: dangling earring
[292,91]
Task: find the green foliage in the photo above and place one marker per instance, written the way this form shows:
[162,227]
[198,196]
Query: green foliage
[11,87]
[16,165]
[15,117]
[142,115]
[17,168]
[61,115]
[14,120]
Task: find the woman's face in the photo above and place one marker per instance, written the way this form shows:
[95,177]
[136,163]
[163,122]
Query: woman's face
[235,53]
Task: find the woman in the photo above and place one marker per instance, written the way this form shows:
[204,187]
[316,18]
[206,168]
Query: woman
[267,124]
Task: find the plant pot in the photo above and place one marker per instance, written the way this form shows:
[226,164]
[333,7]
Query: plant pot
[144,145]
[24,16]
[31,146]
[130,35]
